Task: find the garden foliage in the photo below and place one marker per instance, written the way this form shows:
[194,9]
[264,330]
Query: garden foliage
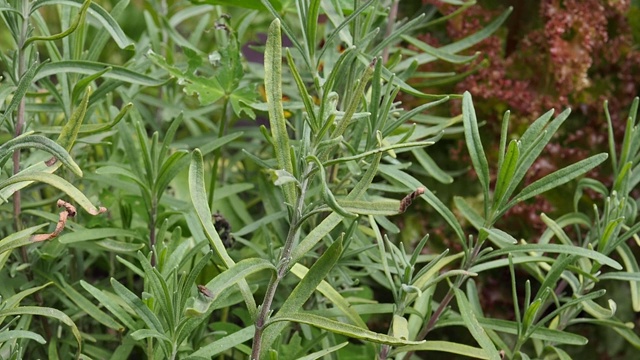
[174,188]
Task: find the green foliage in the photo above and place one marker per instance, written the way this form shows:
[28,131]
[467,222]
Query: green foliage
[213,236]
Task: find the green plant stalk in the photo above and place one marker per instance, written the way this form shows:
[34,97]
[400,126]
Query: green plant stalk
[282,268]
[20,120]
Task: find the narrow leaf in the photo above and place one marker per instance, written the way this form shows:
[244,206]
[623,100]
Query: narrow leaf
[343,329]
[273,89]
[474,326]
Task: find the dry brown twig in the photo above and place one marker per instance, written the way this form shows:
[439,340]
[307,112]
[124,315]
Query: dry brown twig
[69,211]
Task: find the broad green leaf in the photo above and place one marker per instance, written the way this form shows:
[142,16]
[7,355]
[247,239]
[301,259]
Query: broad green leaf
[198,196]
[9,335]
[631,267]
[59,183]
[500,237]
[446,347]
[379,207]
[558,178]
[559,249]
[47,312]
[505,174]
[42,143]
[148,333]
[223,344]
[430,166]
[97,12]
[342,329]
[510,327]
[90,67]
[273,91]
[85,305]
[239,271]
[460,45]
[474,145]
[324,352]
[474,326]
[382,149]
[134,302]
[110,305]
[18,239]
[439,53]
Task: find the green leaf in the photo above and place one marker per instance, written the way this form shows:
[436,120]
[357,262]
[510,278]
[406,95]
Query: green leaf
[446,347]
[70,130]
[474,326]
[558,178]
[47,312]
[382,149]
[90,128]
[342,329]
[510,327]
[137,306]
[328,291]
[236,273]
[199,200]
[305,288]
[246,4]
[505,174]
[148,333]
[631,266]
[223,344]
[431,167]
[439,53]
[18,239]
[110,304]
[159,290]
[59,183]
[559,249]
[468,212]
[474,145]
[90,67]
[324,352]
[273,89]
[97,12]
[74,25]
[23,85]
[9,335]
[460,45]
[85,305]
[42,143]
[380,207]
